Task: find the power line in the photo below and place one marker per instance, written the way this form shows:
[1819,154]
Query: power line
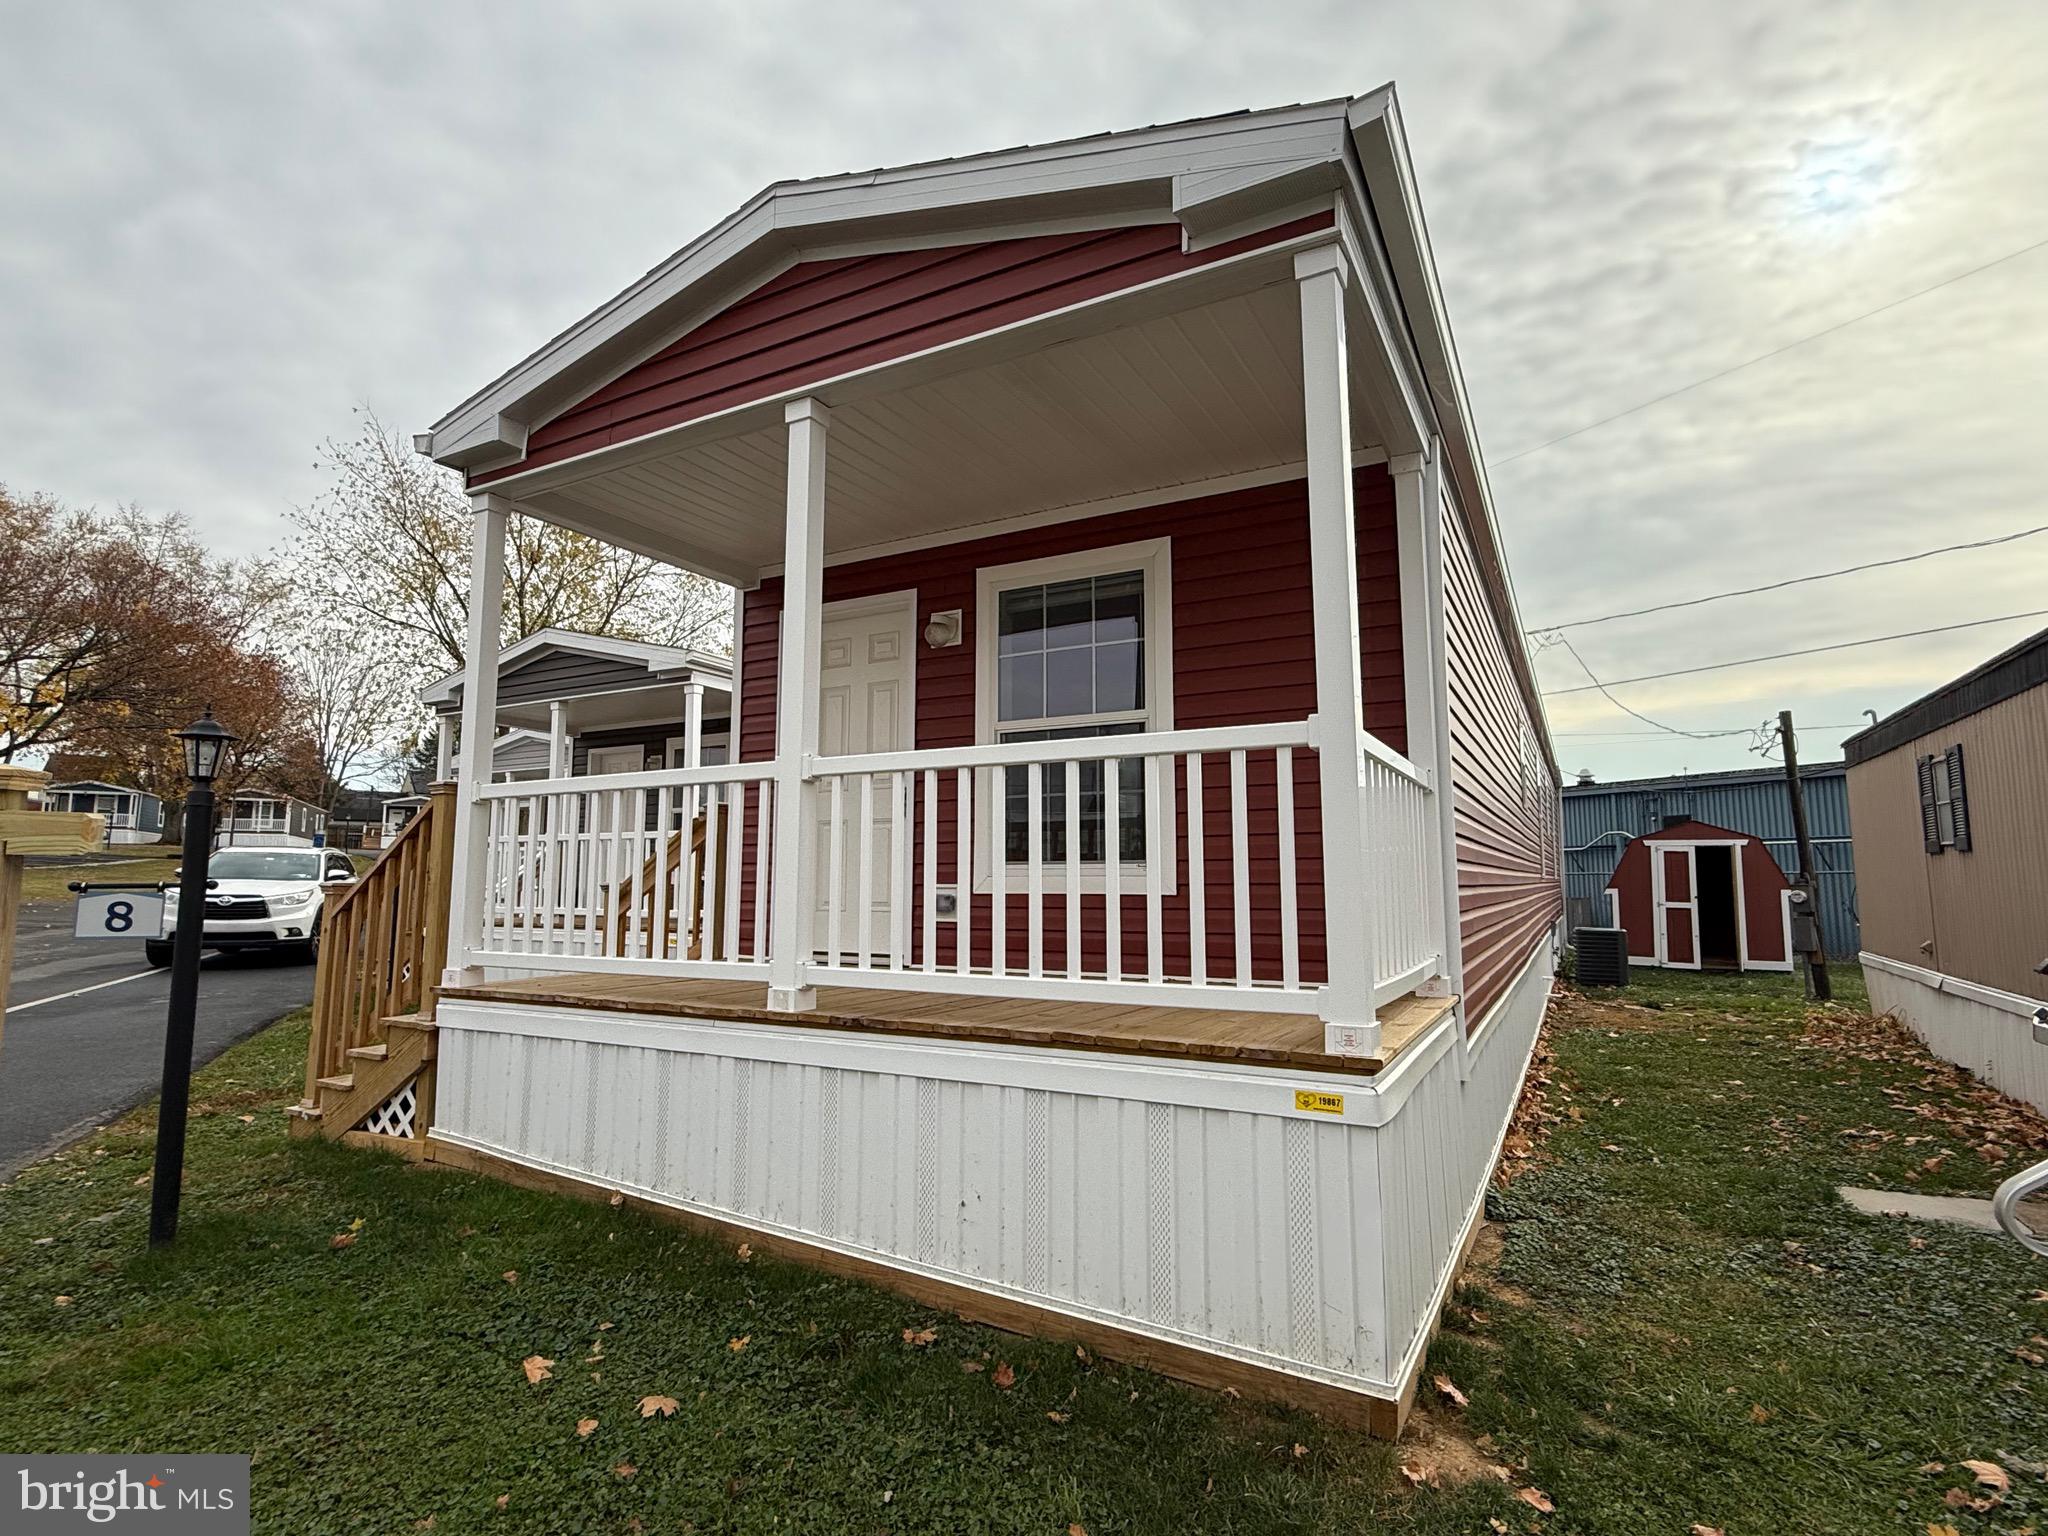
[1764,357]
[1634,714]
[1812,650]
[1855,725]
[1794,581]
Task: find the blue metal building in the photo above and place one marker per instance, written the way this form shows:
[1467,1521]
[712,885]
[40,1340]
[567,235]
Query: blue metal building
[1599,819]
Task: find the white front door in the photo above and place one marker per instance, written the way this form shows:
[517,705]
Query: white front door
[864,705]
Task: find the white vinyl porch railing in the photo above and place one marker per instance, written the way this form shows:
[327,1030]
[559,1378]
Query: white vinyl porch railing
[1179,867]
[663,870]
[1403,889]
[1160,868]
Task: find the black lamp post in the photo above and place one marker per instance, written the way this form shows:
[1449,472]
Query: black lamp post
[206,746]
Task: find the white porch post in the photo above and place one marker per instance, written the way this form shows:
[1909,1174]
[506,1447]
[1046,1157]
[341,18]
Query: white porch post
[444,748]
[466,900]
[1417,508]
[558,739]
[693,724]
[1350,1026]
[796,709]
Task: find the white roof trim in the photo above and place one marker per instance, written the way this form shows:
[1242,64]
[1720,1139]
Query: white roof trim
[1209,173]
[661,660]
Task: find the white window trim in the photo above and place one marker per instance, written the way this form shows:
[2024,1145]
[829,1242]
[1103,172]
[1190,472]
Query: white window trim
[1154,557]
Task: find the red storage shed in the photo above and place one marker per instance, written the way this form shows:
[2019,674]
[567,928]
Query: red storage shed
[1699,897]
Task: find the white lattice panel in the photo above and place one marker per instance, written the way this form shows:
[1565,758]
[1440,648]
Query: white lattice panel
[394,1117]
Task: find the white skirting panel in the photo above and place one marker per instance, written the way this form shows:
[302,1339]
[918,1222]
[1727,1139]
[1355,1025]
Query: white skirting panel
[1986,1030]
[1437,1154]
[1196,1205]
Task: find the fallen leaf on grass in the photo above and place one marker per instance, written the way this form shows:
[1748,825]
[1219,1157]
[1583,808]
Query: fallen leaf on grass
[1004,1377]
[651,1405]
[1706,1530]
[538,1368]
[917,1338]
[744,1252]
[510,1277]
[1417,1475]
[342,1240]
[972,1367]
[624,1470]
[246,1119]
[1989,1474]
[1056,1416]
[584,1427]
[1759,1414]
[424,1525]
[1076,1528]
[1449,1389]
[1536,1499]
[1936,1528]
[604,1327]
[740,1343]
[618,1199]
[61,1301]
[1497,1525]
[502,1500]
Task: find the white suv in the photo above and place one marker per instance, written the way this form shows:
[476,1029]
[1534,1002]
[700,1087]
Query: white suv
[262,898]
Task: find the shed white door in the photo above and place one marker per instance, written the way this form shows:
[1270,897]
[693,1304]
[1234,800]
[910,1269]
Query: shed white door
[865,705]
[1675,888]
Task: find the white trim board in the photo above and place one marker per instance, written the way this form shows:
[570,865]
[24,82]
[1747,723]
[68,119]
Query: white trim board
[1940,981]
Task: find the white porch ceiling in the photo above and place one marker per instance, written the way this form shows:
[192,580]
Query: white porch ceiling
[1170,400]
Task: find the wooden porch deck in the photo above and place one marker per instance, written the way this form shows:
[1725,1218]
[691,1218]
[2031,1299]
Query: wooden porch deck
[1207,1034]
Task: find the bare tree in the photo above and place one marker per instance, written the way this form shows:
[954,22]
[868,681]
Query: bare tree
[388,543]
[354,687]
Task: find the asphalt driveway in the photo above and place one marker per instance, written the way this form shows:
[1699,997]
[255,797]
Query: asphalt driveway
[84,1032]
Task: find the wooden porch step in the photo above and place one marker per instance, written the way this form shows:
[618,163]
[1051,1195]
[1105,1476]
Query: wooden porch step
[341,1082]
[377,1052]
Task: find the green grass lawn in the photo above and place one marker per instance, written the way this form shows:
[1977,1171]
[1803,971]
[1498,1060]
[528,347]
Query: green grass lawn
[47,882]
[1681,1326]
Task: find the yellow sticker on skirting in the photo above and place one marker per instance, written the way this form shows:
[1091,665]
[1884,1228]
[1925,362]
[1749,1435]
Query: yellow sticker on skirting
[1319,1103]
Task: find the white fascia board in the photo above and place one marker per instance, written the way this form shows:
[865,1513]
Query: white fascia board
[1114,177]
[1382,146]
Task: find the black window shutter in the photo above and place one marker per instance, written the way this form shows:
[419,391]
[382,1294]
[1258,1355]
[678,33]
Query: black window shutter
[1959,798]
[1930,830]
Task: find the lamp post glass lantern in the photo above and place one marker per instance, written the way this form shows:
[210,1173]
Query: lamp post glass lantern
[206,742]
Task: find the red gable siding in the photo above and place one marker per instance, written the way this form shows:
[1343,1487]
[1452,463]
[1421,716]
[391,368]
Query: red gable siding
[1507,804]
[823,318]
[1243,653]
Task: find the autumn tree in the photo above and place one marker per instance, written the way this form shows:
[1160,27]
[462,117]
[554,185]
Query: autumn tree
[388,545]
[117,630]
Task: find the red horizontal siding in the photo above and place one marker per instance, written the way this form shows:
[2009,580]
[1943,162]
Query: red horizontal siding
[823,318]
[1506,801]
[1242,654]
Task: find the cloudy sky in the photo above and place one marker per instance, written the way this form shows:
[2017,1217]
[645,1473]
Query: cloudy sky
[223,227]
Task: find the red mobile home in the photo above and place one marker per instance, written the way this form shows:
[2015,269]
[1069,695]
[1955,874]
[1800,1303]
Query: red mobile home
[1130,907]
[1697,897]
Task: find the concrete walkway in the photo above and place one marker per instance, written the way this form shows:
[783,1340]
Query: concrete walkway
[1957,1210]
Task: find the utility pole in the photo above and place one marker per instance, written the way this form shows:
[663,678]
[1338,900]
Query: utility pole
[1816,954]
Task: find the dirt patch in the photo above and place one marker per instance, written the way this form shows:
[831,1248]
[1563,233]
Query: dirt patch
[1438,1451]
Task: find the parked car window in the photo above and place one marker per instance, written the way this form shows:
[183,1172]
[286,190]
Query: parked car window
[264,864]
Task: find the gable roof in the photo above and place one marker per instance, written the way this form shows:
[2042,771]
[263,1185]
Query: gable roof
[1216,177]
[118,789]
[2007,675]
[661,661]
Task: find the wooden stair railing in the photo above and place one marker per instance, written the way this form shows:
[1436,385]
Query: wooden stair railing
[383,942]
[661,866]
